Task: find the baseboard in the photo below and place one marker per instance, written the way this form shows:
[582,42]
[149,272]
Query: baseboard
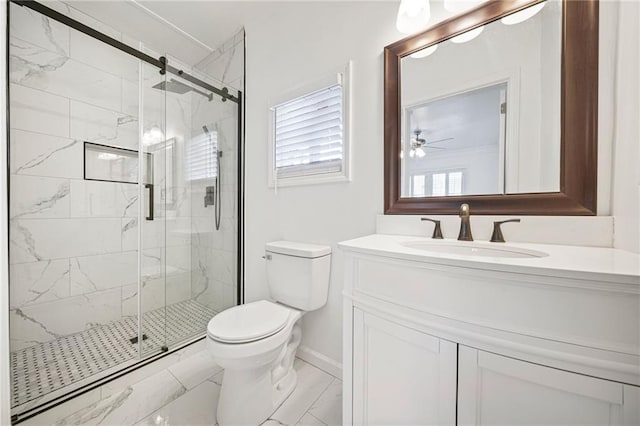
[321,361]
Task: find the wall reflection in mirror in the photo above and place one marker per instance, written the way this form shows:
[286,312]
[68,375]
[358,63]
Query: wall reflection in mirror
[481,111]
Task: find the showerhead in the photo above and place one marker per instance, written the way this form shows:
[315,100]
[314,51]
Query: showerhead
[173,86]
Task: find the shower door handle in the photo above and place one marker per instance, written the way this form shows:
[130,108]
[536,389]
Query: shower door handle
[149,186]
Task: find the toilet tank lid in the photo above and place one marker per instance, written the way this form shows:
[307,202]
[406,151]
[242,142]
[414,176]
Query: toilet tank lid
[292,248]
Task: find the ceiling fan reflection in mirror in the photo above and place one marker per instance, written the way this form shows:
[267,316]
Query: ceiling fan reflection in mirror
[418,145]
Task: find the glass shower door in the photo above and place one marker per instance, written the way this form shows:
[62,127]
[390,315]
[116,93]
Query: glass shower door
[152,218]
[200,198]
[189,218]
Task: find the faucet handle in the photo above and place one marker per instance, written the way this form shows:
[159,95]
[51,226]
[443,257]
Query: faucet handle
[437,230]
[497,236]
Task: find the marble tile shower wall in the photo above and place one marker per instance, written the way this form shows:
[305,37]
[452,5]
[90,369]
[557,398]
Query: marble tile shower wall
[74,242]
[214,252]
[226,63]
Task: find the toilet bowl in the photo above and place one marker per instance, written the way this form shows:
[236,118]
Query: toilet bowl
[258,371]
[256,343]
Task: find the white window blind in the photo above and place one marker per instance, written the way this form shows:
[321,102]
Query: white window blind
[439,187]
[201,157]
[455,183]
[308,134]
[419,185]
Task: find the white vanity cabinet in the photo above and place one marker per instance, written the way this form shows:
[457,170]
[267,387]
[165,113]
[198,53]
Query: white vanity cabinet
[498,390]
[433,339]
[401,376]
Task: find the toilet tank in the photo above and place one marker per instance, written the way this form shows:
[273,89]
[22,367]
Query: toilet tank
[298,273]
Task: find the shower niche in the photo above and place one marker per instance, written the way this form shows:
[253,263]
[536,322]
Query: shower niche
[114,164]
[114,257]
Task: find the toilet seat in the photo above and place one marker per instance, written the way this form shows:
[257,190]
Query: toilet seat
[249,322]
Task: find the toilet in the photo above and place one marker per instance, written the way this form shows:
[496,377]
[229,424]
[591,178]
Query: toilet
[256,342]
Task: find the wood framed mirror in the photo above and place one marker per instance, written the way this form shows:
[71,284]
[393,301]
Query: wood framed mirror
[567,119]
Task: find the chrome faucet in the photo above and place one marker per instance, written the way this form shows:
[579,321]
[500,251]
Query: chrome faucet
[465,224]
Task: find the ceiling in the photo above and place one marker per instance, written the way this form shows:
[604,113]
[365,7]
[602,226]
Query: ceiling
[190,30]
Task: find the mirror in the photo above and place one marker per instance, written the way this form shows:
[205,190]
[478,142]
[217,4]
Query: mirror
[480,109]
[483,116]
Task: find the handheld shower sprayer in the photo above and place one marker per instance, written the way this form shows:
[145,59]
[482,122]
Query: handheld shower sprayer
[217,192]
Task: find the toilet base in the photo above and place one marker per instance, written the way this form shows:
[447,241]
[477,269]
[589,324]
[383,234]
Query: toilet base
[249,396]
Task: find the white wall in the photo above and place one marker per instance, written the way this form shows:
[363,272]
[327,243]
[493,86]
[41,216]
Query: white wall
[288,45]
[625,196]
[291,44]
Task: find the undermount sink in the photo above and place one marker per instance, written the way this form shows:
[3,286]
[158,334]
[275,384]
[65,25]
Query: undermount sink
[473,249]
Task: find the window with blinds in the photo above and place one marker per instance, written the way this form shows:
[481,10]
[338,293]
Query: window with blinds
[308,134]
[201,157]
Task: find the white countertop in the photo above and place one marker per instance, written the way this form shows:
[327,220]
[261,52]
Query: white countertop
[585,263]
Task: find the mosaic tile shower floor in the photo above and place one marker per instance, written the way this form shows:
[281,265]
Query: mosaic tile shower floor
[46,367]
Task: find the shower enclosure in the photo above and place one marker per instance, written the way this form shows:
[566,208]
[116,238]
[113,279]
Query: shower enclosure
[124,203]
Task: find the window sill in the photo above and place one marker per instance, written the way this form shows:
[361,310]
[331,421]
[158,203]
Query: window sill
[309,180]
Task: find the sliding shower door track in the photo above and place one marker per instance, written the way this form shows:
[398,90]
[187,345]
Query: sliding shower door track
[160,62]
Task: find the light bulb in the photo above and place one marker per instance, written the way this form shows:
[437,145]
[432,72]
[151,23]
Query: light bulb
[412,153]
[420,152]
[457,6]
[523,15]
[468,36]
[108,156]
[413,8]
[152,136]
[413,16]
[424,52]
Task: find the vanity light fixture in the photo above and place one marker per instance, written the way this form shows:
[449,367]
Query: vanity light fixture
[523,15]
[468,36]
[424,52]
[417,151]
[413,16]
[456,6]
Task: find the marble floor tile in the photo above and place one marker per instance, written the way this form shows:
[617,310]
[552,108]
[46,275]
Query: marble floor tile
[176,395]
[312,382]
[130,405]
[328,408]
[196,407]
[121,383]
[194,370]
[65,409]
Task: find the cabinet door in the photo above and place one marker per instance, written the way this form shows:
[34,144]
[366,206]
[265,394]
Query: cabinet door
[401,376]
[497,390]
